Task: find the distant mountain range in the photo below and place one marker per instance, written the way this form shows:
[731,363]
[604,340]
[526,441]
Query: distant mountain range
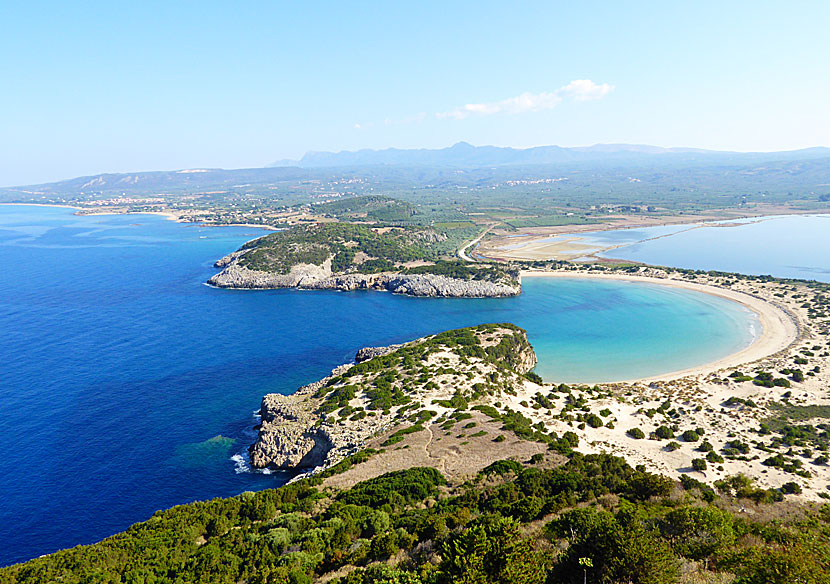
[465,165]
[463,154]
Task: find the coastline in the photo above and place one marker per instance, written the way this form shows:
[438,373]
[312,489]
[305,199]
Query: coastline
[725,410]
[778,327]
[537,243]
[170,215]
[44,205]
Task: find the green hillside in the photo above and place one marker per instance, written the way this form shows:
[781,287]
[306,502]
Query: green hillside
[359,248]
[515,523]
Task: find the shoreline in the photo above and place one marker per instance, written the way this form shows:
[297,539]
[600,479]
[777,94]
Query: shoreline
[44,205]
[170,215]
[778,327]
[533,238]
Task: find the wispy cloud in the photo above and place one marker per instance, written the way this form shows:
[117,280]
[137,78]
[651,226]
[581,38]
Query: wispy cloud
[578,90]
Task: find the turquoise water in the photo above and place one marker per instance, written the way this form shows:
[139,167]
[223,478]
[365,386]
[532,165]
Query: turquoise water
[784,246]
[592,331]
[128,386]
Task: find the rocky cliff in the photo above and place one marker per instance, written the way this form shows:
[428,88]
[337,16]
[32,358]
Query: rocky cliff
[314,277]
[388,387]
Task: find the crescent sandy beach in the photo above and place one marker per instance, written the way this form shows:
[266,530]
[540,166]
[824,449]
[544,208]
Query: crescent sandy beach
[778,328]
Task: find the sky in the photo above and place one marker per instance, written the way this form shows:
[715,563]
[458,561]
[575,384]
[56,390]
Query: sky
[89,87]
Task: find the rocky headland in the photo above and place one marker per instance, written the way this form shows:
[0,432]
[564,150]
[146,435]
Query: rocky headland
[345,256]
[321,277]
[396,387]
[461,399]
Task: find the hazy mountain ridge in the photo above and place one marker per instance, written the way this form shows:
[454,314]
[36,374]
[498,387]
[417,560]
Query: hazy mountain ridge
[464,154]
[599,168]
[172,179]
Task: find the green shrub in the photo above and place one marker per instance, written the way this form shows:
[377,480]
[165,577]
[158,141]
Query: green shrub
[636,433]
[699,464]
[396,488]
[690,436]
[791,488]
[664,433]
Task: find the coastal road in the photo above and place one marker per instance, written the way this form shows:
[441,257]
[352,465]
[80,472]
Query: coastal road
[462,251]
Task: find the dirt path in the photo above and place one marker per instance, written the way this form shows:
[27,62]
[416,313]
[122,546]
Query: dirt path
[442,463]
[462,251]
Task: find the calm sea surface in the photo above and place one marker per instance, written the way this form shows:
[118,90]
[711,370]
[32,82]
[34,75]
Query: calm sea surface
[128,386]
[784,246]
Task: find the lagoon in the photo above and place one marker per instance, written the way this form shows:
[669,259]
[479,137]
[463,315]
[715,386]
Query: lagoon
[788,246]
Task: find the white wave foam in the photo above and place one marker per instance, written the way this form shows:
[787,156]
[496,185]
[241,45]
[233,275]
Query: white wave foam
[240,464]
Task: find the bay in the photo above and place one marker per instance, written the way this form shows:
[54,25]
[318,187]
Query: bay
[129,386]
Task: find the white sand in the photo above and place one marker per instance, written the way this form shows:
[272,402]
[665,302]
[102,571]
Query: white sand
[699,394]
[778,330]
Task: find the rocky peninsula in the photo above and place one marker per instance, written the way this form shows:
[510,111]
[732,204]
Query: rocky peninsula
[337,256]
[312,277]
[400,387]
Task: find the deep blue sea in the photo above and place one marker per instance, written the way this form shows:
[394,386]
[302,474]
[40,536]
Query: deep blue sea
[128,386]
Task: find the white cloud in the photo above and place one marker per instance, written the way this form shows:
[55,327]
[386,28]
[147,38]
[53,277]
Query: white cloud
[585,89]
[578,90]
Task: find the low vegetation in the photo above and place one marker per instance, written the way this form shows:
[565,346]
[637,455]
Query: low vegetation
[368,249]
[513,524]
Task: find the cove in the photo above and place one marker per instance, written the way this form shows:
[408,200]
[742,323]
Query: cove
[129,386]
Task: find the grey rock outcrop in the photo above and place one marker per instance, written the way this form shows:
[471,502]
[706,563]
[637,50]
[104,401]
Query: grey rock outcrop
[444,287]
[524,360]
[367,353]
[312,277]
[229,259]
[289,436]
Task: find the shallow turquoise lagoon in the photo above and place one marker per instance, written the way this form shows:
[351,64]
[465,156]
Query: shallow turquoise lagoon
[128,386]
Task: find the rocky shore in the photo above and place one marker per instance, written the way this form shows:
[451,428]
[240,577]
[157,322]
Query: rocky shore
[292,435]
[314,277]
[446,402]
[330,419]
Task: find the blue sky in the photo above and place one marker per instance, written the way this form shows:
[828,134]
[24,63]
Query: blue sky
[109,87]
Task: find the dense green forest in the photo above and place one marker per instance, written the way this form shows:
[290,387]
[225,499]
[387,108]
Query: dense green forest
[591,518]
